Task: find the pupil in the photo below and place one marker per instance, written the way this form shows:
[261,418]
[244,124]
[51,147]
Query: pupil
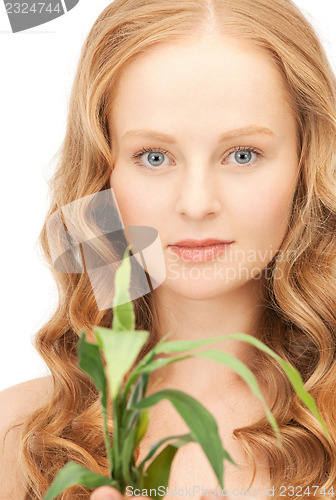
[246,154]
[244,157]
[156,158]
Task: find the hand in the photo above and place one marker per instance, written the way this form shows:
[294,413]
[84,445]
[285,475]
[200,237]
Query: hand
[109,493]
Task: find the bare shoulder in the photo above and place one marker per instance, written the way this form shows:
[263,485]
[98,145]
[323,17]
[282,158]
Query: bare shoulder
[16,403]
[20,399]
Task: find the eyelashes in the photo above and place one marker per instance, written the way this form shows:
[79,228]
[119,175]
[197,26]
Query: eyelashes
[136,157]
[148,150]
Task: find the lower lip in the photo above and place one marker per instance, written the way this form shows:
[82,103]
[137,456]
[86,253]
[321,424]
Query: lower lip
[200,254]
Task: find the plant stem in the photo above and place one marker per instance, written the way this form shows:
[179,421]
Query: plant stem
[108,443]
[115,449]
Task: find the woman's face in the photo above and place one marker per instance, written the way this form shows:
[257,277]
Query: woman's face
[228,168]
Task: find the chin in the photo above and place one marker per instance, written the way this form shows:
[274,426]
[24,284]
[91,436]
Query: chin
[200,289]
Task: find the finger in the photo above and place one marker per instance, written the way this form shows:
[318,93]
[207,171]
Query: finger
[106,493]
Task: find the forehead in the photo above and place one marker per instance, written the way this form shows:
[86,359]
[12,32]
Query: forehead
[208,78]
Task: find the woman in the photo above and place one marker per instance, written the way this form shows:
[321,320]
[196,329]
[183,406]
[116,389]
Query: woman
[247,97]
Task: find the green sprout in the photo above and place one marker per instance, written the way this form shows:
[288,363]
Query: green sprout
[120,347]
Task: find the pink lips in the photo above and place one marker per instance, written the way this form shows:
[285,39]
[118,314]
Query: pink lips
[198,243]
[199,250]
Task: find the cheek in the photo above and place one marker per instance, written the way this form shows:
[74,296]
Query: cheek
[136,202]
[272,207]
[126,195]
[265,212]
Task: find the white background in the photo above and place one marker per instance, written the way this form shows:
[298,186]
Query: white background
[37,69]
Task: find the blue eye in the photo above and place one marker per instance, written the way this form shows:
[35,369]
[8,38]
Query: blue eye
[244,154]
[154,156]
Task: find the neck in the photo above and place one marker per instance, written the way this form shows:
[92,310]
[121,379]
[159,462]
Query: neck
[237,311]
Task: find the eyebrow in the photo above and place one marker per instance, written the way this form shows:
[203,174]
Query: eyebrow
[232,134]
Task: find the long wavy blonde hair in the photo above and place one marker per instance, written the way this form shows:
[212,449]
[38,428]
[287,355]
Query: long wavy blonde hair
[299,320]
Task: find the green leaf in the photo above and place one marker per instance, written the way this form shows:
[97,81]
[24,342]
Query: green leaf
[120,352]
[138,391]
[131,381]
[142,426]
[186,438]
[293,376]
[149,357]
[226,359]
[202,425]
[183,345]
[89,360]
[157,474]
[160,362]
[73,474]
[127,454]
[129,415]
[123,313]
[228,457]
[246,374]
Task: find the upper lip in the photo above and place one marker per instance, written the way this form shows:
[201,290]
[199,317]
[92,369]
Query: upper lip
[198,243]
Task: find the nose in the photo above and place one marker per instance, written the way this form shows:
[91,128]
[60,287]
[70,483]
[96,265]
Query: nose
[198,193]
